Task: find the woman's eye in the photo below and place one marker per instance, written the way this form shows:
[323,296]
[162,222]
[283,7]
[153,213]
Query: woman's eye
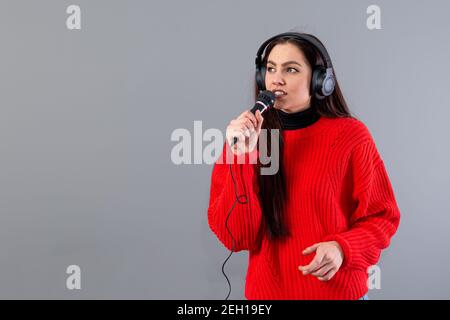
[270,69]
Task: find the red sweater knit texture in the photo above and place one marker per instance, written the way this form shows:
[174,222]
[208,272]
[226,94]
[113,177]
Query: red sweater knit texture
[337,190]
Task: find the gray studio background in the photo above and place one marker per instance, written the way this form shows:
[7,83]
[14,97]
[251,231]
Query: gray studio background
[86,118]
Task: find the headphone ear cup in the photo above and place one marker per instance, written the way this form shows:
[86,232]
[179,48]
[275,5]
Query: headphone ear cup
[316,82]
[322,83]
[328,83]
[260,77]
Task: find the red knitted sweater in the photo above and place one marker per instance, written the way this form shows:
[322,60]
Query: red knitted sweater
[338,189]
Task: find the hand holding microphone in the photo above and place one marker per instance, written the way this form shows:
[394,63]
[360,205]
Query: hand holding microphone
[242,133]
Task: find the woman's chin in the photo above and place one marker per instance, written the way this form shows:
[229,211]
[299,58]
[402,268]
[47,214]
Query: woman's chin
[278,105]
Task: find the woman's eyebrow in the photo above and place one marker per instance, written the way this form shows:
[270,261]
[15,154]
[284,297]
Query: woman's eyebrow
[286,63]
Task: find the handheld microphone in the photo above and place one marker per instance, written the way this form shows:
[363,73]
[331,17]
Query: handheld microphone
[265,100]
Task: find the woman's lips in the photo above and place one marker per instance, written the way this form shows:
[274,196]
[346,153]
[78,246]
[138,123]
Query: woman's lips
[279,93]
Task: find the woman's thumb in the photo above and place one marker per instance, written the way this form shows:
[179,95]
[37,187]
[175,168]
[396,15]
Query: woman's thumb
[260,119]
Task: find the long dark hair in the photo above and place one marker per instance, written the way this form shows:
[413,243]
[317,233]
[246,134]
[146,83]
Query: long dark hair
[273,187]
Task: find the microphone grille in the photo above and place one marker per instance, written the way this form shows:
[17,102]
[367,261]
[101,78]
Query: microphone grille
[267,97]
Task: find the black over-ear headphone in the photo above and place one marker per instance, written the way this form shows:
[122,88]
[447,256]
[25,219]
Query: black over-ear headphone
[322,80]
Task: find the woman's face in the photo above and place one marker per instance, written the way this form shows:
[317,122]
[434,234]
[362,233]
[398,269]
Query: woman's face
[287,70]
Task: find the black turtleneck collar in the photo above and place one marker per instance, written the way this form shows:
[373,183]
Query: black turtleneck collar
[297,120]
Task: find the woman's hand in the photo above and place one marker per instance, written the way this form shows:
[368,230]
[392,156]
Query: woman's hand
[328,260]
[246,128]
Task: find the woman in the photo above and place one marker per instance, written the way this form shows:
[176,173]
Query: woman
[313,228]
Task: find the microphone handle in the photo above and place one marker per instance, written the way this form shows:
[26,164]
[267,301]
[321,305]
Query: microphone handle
[259,106]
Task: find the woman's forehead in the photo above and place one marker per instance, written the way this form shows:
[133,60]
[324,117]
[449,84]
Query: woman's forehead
[286,52]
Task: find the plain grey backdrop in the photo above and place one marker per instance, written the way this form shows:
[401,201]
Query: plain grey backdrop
[86,175]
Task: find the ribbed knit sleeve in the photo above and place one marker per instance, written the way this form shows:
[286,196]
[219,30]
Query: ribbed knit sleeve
[373,213]
[244,222]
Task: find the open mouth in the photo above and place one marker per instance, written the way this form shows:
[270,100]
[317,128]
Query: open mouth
[279,93]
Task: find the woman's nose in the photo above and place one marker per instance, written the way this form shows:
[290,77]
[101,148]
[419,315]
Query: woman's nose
[277,79]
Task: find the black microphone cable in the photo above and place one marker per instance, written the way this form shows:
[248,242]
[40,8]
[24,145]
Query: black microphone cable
[265,100]
[241,199]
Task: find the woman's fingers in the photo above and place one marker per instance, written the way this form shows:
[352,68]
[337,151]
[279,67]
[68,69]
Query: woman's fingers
[250,120]
[246,127]
[260,120]
[237,133]
[330,274]
[241,128]
[248,115]
[323,270]
[314,265]
[243,124]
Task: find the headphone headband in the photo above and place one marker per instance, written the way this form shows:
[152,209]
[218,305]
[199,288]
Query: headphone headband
[299,36]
